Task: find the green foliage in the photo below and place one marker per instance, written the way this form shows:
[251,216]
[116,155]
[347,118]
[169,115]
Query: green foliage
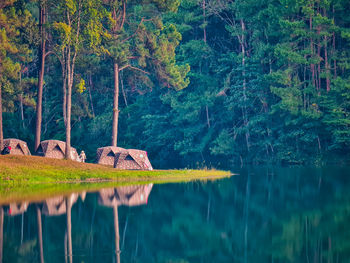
[81,86]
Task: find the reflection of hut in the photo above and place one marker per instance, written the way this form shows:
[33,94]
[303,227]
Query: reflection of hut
[18,147]
[106,155]
[56,149]
[57,205]
[126,195]
[132,160]
[17,209]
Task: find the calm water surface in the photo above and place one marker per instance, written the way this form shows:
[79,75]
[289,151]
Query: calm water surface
[260,215]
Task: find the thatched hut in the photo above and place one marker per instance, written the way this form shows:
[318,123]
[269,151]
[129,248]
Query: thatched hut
[106,155]
[18,147]
[126,195]
[56,149]
[132,160]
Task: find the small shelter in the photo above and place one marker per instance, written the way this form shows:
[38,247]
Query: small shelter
[56,149]
[126,195]
[18,147]
[132,160]
[106,155]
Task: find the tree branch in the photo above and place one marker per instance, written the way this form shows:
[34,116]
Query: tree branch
[126,39]
[134,68]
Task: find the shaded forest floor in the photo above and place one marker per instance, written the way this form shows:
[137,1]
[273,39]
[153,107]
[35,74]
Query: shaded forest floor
[32,176]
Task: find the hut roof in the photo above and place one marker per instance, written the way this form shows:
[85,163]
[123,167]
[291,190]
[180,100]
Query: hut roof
[139,160]
[106,155]
[18,146]
[126,195]
[48,146]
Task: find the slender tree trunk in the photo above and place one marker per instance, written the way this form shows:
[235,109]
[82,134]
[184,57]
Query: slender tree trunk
[1,130]
[328,81]
[90,87]
[207,114]
[333,53]
[319,56]
[40,234]
[70,62]
[69,107]
[124,94]
[334,60]
[204,21]
[40,76]
[115,106]
[64,94]
[21,109]
[312,66]
[244,109]
[21,100]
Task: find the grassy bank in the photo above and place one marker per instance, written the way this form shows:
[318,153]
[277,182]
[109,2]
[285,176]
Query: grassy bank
[32,177]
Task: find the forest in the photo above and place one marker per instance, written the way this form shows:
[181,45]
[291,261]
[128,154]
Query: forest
[195,83]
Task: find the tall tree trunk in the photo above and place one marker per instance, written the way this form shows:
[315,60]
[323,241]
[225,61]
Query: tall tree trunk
[204,21]
[333,52]
[90,87]
[319,56]
[207,114]
[69,107]
[21,99]
[64,93]
[312,66]
[21,109]
[40,76]
[115,106]
[1,130]
[244,109]
[70,62]
[328,82]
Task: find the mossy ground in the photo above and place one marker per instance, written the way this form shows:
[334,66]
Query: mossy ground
[32,177]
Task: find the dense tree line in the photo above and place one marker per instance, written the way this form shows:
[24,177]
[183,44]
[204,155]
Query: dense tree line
[202,82]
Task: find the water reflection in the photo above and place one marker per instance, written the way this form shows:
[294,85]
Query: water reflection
[62,205]
[129,196]
[262,215]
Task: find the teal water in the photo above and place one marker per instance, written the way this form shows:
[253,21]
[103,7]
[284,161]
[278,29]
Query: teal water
[259,215]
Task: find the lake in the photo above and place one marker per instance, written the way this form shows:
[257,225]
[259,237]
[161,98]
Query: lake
[262,214]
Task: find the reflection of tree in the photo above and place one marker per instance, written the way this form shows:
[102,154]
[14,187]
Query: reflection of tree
[40,234]
[1,231]
[314,236]
[291,215]
[129,196]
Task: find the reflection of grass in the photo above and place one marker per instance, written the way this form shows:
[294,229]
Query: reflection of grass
[31,177]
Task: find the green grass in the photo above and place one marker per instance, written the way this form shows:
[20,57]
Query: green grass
[32,177]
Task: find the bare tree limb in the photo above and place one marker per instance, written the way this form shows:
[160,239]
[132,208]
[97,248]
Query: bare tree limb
[134,68]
